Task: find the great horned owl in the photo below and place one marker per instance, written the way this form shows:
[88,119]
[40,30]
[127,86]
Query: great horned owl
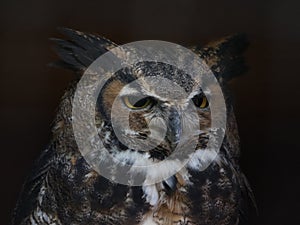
[64,189]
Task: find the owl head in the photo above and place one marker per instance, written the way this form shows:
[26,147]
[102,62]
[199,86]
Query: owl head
[150,109]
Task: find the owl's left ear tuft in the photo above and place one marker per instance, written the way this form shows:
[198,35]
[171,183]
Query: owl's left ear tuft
[225,56]
[80,50]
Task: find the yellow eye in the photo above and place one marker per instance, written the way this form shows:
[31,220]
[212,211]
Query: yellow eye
[134,102]
[200,101]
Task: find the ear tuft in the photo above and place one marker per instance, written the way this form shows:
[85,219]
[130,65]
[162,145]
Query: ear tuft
[225,56]
[80,50]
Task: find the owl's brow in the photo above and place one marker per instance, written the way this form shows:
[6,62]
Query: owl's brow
[194,93]
[135,91]
[129,91]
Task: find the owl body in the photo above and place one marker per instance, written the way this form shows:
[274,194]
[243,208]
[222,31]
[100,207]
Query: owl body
[64,188]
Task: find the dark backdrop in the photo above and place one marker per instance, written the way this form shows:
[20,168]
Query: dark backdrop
[267,97]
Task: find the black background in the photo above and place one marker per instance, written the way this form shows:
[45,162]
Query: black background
[267,96]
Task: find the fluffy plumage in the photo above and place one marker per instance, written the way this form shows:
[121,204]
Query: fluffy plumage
[64,189]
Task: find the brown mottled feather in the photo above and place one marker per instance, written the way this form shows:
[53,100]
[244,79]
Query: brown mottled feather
[64,189]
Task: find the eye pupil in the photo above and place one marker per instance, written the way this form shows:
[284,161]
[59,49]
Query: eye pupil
[141,102]
[200,101]
[134,102]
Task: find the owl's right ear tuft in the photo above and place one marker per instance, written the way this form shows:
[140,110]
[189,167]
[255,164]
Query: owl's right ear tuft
[225,56]
[79,50]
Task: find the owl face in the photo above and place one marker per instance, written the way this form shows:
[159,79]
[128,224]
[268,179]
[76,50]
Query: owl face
[154,108]
[154,101]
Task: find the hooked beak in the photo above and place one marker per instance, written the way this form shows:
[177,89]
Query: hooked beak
[174,129]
